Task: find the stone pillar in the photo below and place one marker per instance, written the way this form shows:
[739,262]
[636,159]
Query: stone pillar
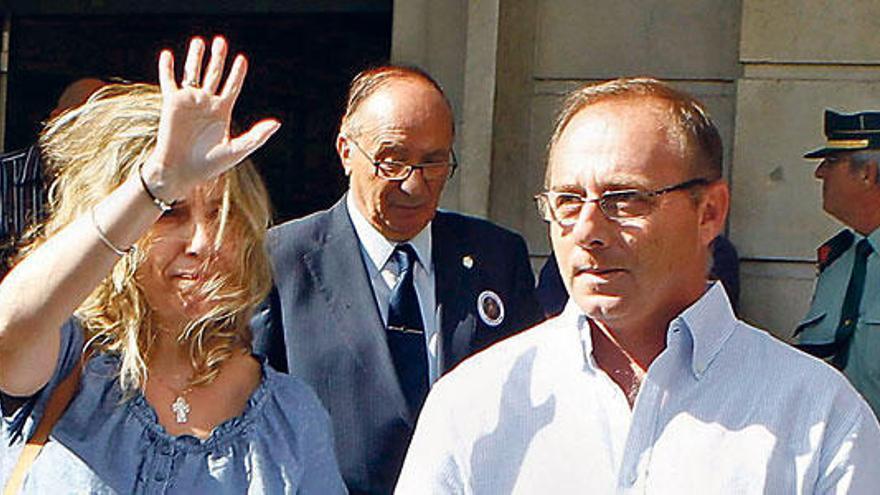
[433,35]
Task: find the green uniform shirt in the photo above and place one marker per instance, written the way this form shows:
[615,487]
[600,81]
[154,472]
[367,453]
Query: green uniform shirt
[820,325]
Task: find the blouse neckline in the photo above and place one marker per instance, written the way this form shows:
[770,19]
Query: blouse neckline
[226,431]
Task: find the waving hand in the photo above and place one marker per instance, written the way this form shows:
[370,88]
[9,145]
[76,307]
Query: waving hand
[194,142]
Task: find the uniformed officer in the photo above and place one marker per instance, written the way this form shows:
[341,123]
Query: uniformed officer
[843,324]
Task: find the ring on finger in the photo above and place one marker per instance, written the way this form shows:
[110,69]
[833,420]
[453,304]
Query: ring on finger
[192,83]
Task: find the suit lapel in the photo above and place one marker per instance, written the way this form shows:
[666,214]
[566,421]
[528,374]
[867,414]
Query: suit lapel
[337,266]
[453,293]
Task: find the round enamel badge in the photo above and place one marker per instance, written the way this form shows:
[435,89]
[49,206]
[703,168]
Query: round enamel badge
[491,308]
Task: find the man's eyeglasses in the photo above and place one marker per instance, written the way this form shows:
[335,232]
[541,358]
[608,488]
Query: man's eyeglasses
[565,208]
[398,171]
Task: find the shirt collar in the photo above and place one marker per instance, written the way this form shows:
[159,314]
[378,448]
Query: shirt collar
[378,248]
[873,238]
[573,317]
[710,321]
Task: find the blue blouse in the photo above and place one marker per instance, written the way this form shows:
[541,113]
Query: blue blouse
[281,443]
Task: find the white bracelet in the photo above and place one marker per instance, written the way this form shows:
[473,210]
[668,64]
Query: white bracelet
[103,237]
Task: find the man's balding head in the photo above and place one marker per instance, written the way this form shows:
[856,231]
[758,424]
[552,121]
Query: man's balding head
[370,81]
[75,94]
[689,124]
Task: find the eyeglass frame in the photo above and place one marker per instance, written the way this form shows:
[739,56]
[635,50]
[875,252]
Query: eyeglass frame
[377,164]
[544,198]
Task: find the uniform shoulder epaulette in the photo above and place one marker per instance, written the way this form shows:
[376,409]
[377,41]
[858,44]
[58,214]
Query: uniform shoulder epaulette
[831,249]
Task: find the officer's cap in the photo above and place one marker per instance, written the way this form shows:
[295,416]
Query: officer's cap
[849,132]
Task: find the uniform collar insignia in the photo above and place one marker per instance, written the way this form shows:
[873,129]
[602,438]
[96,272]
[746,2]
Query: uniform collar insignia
[833,248]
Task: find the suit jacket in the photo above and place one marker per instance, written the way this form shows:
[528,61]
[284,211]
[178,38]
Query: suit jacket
[321,324]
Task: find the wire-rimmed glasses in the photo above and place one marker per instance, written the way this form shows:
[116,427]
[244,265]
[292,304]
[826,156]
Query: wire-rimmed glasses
[565,208]
[399,171]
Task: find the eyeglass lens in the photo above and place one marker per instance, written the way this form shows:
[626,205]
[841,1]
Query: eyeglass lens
[567,207]
[402,171]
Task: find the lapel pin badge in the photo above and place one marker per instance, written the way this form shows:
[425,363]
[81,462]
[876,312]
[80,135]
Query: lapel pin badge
[467,261]
[490,308]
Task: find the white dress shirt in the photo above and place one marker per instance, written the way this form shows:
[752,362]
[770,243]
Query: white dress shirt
[725,408]
[376,251]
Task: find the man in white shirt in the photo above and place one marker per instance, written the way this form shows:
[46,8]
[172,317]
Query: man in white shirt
[647,382]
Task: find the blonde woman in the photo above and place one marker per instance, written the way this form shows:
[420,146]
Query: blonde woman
[149,265]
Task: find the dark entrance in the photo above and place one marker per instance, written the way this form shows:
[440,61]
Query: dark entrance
[301,55]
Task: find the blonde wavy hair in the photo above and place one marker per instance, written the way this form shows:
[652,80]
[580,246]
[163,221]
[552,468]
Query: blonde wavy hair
[89,151]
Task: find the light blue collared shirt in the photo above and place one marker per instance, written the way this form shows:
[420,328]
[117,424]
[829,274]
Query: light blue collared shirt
[725,408]
[376,251]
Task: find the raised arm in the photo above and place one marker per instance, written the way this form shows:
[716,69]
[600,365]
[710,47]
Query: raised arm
[193,145]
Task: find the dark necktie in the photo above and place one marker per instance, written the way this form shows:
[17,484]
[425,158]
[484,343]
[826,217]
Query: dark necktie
[849,314]
[406,331]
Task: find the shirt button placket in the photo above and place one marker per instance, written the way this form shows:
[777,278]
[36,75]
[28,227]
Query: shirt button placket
[642,434]
[162,468]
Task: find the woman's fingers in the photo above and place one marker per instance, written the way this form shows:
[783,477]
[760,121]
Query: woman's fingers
[239,148]
[166,72]
[193,140]
[214,71]
[235,80]
[192,69]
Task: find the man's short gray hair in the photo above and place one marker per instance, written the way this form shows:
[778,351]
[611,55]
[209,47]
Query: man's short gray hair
[861,159]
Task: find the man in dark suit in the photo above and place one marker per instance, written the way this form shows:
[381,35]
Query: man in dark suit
[381,294]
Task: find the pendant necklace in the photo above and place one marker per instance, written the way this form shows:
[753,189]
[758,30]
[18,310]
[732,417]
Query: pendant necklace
[180,407]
